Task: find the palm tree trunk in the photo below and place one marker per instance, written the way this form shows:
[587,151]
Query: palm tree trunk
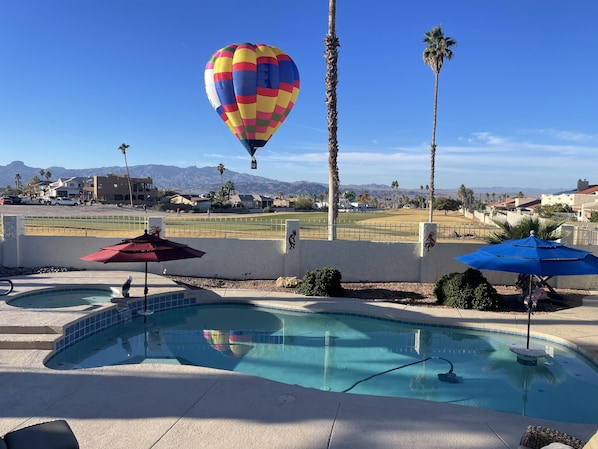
[433,152]
[129,181]
[331,55]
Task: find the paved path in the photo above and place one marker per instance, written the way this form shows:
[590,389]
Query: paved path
[172,406]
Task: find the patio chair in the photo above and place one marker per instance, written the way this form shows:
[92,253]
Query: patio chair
[48,435]
[537,437]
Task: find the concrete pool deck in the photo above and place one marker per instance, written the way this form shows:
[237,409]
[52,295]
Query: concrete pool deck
[175,406]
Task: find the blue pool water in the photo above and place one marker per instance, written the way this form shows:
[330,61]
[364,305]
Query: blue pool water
[62,297]
[337,352]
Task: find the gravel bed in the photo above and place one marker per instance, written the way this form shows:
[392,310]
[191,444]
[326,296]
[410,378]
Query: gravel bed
[413,293]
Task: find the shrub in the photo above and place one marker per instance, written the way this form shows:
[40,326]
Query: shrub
[468,290]
[321,282]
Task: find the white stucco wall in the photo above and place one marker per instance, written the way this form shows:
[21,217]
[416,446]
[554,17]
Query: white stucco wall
[269,259]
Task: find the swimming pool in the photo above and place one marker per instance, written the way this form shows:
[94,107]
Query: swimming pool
[62,297]
[339,352]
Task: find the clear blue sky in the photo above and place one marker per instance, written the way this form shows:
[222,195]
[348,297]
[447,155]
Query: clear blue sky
[517,103]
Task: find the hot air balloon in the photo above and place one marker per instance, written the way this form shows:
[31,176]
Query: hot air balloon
[252,88]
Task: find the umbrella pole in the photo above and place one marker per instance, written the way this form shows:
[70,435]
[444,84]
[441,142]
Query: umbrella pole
[529,308]
[145,296]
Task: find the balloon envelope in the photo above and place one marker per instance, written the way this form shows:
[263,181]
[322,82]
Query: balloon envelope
[252,88]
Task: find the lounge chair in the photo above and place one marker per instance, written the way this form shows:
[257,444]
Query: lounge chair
[47,435]
[537,437]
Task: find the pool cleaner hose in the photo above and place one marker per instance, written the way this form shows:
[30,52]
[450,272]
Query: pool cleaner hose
[449,377]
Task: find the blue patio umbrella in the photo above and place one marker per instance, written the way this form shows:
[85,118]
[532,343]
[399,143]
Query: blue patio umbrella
[532,256]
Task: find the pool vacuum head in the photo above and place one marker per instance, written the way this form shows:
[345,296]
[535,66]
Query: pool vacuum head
[449,377]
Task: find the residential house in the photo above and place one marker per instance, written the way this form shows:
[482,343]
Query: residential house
[114,188]
[251,201]
[67,188]
[583,200]
[520,204]
[284,202]
[196,202]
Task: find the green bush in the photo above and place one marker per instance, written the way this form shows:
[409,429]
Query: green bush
[468,290]
[321,282]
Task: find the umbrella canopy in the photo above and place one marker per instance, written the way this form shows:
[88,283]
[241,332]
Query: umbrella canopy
[532,256]
[145,248]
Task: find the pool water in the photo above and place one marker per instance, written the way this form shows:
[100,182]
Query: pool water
[64,297]
[338,352]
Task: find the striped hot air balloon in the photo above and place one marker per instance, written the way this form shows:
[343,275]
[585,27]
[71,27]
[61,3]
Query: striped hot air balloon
[252,87]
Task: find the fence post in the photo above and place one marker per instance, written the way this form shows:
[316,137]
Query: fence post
[292,249]
[14,228]
[568,235]
[156,223]
[427,255]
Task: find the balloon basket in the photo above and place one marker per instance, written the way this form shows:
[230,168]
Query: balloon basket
[253,164]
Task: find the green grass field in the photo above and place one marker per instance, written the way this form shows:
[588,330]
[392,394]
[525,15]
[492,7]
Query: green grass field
[394,225]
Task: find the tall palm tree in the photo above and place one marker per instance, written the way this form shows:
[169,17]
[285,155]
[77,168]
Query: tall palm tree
[331,55]
[221,169]
[123,150]
[395,186]
[438,48]
[18,183]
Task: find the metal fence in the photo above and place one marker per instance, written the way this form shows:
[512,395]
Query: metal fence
[246,228]
[475,232]
[267,228]
[92,226]
[234,228]
[585,235]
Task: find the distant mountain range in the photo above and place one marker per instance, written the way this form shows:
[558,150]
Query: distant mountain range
[202,180]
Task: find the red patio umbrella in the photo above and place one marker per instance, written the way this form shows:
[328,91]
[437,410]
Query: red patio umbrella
[145,248]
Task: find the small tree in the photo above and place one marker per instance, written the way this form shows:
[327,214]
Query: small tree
[446,204]
[304,203]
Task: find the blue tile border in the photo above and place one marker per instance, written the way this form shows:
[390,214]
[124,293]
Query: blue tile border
[100,321]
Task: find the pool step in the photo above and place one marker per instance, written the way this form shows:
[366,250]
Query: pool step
[28,337]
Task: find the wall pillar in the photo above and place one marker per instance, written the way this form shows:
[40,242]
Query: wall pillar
[569,232]
[292,249]
[14,228]
[155,223]
[427,252]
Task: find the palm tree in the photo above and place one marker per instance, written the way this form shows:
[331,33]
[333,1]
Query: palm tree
[123,150]
[18,183]
[331,55]
[47,175]
[438,48]
[546,230]
[220,169]
[228,188]
[395,186]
